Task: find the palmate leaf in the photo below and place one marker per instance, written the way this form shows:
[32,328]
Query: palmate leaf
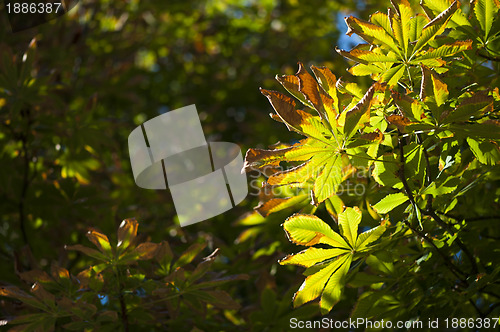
[333,263]
[335,126]
[398,40]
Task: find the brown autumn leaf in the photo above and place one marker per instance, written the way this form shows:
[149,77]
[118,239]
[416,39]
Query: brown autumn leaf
[146,250]
[40,293]
[372,137]
[35,275]
[100,240]
[399,121]
[285,108]
[278,204]
[127,233]
[257,158]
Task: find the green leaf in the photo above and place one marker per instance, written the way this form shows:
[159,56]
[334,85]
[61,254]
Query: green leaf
[389,202]
[371,33]
[476,105]
[348,222]
[443,51]
[367,57]
[302,172]
[382,20]
[437,189]
[371,235]
[308,230]
[101,241]
[401,25]
[363,70]
[434,27]
[365,303]
[188,255]
[393,75]
[485,11]
[202,268]
[18,294]
[127,233]
[329,179]
[351,119]
[314,284]
[312,256]
[438,6]
[487,152]
[433,89]
[87,251]
[333,289]
[411,108]
[386,173]
[278,204]
[417,25]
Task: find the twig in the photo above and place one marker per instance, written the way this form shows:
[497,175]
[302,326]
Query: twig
[123,306]
[430,212]
[454,269]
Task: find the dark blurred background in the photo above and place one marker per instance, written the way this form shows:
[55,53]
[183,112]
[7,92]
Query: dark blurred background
[106,67]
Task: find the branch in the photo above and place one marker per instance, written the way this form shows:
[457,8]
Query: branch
[471,219]
[454,269]
[479,312]
[430,212]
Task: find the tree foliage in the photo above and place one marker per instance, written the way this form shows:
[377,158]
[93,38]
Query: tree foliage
[391,185]
[424,140]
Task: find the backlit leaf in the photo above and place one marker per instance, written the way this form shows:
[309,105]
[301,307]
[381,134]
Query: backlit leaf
[438,6]
[371,235]
[487,152]
[314,284]
[435,27]
[278,204]
[127,233]
[352,117]
[311,256]
[366,57]
[393,75]
[485,11]
[329,179]
[100,241]
[389,202]
[333,289]
[371,33]
[349,221]
[308,230]
[475,105]
[433,89]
